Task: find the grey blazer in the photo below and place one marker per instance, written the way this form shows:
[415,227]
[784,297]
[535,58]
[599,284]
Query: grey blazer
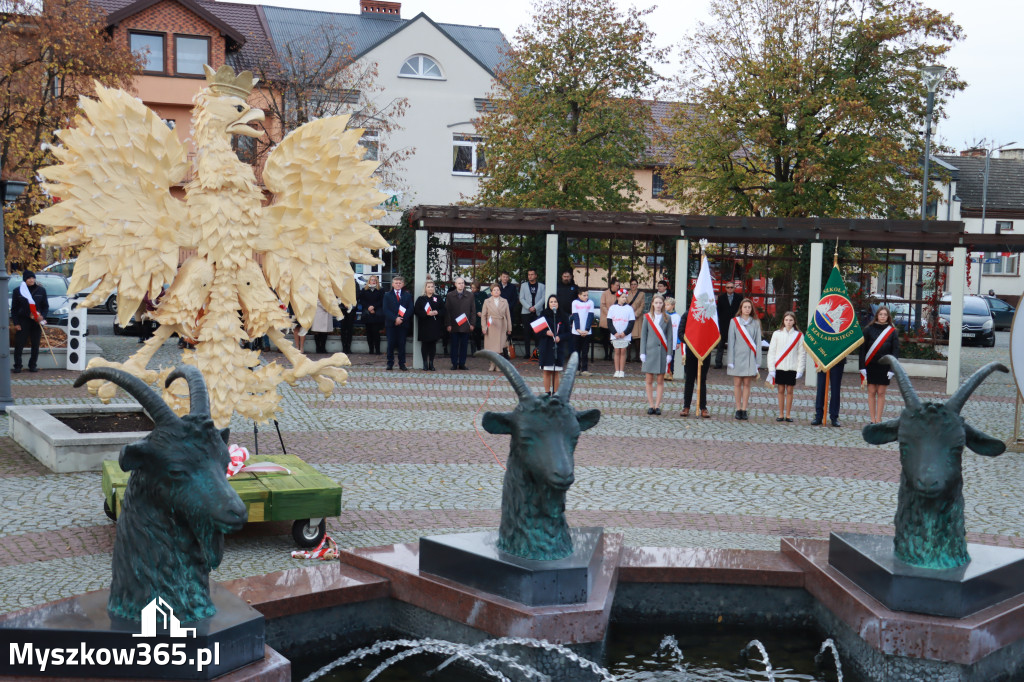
[744,363]
[657,357]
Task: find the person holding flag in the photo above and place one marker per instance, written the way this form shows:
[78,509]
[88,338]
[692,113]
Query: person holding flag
[743,355]
[832,334]
[881,338]
[552,337]
[786,360]
[655,351]
[496,321]
[428,324]
[397,321]
[460,318]
[700,334]
[29,307]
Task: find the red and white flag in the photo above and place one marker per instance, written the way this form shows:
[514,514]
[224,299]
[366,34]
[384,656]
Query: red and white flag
[427,308]
[461,319]
[702,334]
[539,325]
[401,311]
[27,295]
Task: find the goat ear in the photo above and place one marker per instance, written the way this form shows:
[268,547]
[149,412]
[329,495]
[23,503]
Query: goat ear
[132,456]
[497,422]
[226,435]
[588,419]
[886,432]
[983,444]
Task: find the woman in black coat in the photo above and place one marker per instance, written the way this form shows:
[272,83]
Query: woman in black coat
[552,342]
[428,324]
[881,338]
[371,299]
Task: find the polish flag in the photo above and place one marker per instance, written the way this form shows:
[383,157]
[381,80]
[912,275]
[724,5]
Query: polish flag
[461,319]
[427,308]
[702,333]
[539,325]
[401,311]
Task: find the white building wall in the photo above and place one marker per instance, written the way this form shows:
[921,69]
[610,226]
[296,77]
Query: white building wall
[437,109]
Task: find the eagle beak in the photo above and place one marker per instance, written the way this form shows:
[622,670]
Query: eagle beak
[242,127]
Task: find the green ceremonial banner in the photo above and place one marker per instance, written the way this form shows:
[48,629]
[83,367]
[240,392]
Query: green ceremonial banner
[834,331]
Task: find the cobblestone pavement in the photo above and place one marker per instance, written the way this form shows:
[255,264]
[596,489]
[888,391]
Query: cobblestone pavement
[409,451]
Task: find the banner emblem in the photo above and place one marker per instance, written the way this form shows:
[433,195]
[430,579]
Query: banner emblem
[834,314]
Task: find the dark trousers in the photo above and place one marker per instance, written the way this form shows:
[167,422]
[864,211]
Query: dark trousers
[396,342]
[606,341]
[691,378]
[582,346]
[428,351]
[347,330]
[477,337]
[459,341]
[320,339]
[835,381]
[30,333]
[373,337]
[527,332]
[720,350]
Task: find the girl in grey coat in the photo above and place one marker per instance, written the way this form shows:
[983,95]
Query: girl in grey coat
[653,354]
[744,363]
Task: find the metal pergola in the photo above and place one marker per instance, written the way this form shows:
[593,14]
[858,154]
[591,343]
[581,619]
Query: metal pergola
[931,235]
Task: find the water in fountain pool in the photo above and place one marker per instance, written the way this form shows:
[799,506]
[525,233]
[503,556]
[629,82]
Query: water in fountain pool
[649,653]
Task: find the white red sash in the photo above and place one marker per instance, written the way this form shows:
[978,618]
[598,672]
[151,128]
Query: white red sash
[27,295]
[657,331]
[793,345]
[746,336]
[877,345]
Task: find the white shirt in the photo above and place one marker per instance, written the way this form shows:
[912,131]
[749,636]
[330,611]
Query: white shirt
[619,316]
[581,308]
[676,319]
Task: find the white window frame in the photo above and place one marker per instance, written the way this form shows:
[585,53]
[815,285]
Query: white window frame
[1008,266]
[1004,226]
[416,64]
[473,142]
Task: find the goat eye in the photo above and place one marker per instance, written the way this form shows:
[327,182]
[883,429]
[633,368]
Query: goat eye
[177,473]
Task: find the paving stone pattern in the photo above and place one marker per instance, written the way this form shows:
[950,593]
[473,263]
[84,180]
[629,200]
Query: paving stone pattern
[410,453]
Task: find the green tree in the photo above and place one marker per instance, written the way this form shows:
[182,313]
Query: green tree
[568,125]
[808,107]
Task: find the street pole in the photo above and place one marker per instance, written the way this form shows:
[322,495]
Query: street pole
[5,330]
[931,75]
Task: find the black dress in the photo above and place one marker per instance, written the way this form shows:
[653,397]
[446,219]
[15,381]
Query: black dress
[429,326]
[549,353]
[877,372]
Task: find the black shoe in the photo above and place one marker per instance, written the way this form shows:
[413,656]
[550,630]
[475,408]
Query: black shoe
[835,423]
[780,419]
[816,422]
[403,368]
[463,367]
[657,411]
[745,415]
[389,368]
[650,410]
[431,368]
[739,414]
[454,367]
[787,419]
[33,369]
[16,370]
[718,367]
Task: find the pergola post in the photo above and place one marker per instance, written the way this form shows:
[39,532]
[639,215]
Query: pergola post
[813,296]
[957,284]
[420,278]
[551,267]
[682,281]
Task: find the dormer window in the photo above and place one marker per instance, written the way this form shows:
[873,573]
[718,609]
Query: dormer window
[421,66]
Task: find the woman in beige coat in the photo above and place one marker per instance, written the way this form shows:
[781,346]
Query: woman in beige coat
[496,321]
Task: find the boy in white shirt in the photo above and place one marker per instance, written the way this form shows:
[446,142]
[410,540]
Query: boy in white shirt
[580,321]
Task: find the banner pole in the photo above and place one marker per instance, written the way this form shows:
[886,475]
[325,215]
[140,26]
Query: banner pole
[700,380]
[824,407]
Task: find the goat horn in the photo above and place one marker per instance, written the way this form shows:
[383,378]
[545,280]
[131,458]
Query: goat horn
[956,403]
[569,379]
[151,402]
[514,378]
[199,403]
[906,388]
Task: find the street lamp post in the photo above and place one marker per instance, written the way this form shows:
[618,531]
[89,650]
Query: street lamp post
[931,75]
[9,191]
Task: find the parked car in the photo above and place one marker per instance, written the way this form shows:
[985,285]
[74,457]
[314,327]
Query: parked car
[903,315]
[66,267]
[56,293]
[978,326]
[1002,312]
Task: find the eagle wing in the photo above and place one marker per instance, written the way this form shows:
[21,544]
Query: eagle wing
[318,223]
[117,165]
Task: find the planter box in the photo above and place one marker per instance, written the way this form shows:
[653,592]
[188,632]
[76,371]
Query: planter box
[925,369]
[60,448]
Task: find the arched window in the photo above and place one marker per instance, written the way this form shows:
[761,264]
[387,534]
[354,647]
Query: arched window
[421,66]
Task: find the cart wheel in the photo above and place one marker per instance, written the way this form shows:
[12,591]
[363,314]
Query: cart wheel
[108,511]
[307,535]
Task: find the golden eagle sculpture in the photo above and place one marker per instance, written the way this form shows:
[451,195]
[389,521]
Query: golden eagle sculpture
[117,167]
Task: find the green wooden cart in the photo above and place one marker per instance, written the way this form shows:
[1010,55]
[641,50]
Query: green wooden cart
[304,496]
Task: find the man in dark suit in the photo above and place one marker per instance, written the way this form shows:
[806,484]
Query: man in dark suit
[397,321]
[728,308]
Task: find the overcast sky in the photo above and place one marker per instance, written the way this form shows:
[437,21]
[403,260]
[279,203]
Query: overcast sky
[992,106]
